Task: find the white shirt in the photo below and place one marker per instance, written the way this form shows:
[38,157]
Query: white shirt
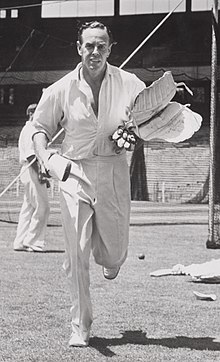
[67,102]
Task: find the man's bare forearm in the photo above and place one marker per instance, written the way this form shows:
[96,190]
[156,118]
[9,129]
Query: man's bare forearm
[40,141]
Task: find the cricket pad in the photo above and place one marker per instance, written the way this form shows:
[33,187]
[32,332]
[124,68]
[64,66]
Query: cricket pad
[151,100]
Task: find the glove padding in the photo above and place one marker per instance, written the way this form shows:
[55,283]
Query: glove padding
[123,137]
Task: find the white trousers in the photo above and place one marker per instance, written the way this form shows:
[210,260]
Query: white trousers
[95,217]
[34,212]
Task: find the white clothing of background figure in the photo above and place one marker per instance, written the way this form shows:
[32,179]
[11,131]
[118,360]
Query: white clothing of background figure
[34,213]
[90,103]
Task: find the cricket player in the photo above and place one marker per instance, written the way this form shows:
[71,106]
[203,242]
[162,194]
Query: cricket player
[90,103]
[34,212]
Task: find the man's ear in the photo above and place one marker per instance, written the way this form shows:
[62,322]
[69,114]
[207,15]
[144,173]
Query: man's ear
[109,49]
[79,47]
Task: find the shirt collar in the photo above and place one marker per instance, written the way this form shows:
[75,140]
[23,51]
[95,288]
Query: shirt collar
[76,72]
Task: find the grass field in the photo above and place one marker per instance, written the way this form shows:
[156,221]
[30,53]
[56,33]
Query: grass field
[136,317]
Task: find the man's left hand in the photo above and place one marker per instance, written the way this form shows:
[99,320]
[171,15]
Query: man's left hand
[125,138]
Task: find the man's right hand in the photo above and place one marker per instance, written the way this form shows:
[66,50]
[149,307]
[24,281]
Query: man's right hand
[57,166]
[43,174]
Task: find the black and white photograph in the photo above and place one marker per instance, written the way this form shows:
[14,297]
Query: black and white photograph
[109,180]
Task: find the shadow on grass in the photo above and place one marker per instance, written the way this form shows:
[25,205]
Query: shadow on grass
[50,251]
[139,338]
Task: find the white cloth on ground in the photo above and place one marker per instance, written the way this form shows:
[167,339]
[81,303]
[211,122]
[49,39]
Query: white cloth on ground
[208,272]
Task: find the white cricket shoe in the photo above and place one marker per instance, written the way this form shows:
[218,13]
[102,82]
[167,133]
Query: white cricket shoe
[22,248]
[77,341]
[111,273]
[35,248]
[79,338]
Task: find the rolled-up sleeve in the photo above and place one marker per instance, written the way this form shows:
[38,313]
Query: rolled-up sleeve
[48,113]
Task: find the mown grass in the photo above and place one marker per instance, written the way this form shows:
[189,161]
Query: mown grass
[136,317]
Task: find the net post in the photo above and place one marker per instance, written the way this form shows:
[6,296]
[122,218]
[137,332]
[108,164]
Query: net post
[213,239]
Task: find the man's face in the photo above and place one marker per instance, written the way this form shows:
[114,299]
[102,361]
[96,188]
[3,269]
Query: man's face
[94,49]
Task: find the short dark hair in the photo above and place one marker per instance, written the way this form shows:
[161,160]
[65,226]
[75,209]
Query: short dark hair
[92,25]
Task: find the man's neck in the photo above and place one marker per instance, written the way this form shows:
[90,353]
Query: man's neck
[94,79]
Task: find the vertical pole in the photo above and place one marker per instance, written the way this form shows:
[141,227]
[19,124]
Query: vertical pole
[211,243]
[116,8]
[188,6]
